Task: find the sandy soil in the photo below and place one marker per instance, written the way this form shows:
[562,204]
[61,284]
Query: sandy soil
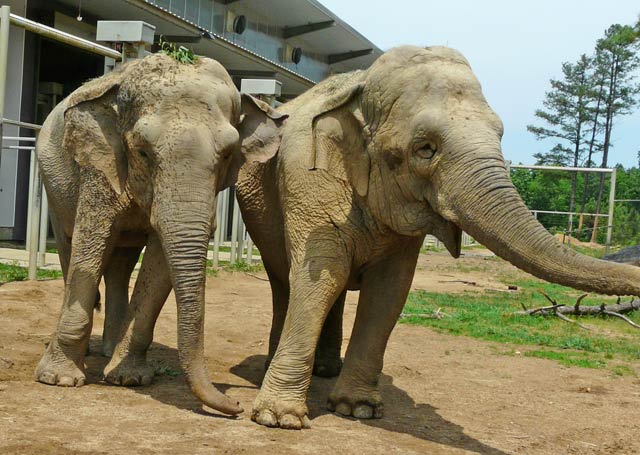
[443,394]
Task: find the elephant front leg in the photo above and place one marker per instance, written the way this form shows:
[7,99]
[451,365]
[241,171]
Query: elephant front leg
[316,283]
[382,296]
[116,281]
[128,365]
[328,363]
[63,360]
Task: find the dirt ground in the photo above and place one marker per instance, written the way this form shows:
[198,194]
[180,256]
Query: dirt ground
[443,394]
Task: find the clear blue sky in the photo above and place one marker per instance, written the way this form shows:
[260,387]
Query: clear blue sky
[514,47]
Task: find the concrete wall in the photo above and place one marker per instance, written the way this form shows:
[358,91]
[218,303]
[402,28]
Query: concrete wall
[10,158]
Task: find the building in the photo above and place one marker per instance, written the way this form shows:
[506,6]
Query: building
[297,42]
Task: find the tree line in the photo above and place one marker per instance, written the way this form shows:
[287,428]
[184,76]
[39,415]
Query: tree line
[579,113]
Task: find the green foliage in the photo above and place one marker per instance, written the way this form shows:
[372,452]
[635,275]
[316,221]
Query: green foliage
[491,316]
[238,266]
[546,190]
[180,53]
[13,272]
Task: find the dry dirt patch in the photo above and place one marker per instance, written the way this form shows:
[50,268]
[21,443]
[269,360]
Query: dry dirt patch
[443,394]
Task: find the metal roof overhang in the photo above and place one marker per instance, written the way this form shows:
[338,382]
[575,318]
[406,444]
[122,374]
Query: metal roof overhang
[337,40]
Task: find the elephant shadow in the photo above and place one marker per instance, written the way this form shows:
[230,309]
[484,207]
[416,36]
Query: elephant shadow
[402,414]
[168,387]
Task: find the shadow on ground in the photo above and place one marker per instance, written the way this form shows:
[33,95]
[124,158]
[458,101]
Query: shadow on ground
[402,414]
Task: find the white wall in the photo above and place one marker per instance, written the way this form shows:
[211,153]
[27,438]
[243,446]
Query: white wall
[9,158]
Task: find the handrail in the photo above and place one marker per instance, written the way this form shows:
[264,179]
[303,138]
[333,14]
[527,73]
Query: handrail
[31,126]
[63,37]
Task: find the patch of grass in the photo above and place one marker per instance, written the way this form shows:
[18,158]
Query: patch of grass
[180,53]
[623,370]
[13,272]
[490,316]
[238,266]
[569,358]
[159,369]
[588,251]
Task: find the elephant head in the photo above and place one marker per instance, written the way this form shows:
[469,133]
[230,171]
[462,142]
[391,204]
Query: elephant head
[179,134]
[420,146]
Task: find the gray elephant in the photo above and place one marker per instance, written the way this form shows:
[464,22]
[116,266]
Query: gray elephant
[136,158]
[370,162]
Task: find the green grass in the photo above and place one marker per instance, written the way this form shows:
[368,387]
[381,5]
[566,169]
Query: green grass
[490,316]
[12,272]
[238,266]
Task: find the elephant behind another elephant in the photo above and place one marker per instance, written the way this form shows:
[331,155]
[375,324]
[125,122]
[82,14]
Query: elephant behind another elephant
[136,158]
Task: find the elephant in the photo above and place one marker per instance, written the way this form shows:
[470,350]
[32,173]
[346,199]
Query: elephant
[135,158]
[369,163]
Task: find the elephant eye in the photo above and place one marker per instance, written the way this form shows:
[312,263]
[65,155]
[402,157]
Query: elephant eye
[427,150]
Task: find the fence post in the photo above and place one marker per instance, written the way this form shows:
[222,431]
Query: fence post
[44,225]
[5,18]
[612,201]
[34,218]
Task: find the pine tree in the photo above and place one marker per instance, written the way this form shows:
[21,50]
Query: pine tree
[616,60]
[567,116]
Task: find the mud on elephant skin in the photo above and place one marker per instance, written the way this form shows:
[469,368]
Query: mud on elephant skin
[370,162]
[136,158]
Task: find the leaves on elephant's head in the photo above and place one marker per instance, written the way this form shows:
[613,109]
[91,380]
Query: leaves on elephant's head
[179,53]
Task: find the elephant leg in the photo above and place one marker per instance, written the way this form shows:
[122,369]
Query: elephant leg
[382,296]
[63,360]
[316,284]
[116,281]
[328,362]
[280,303]
[128,365]
[63,243]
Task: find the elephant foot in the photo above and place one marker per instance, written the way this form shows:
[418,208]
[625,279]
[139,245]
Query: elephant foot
[132,370]
[361,404]
[272,412]
[59,370]
[327,366]
[108,347]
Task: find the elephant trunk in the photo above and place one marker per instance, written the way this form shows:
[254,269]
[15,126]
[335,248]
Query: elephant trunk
[490,209]
[183,220]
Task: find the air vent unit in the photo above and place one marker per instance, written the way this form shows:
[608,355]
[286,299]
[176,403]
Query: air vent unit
[292,54]
[236,23]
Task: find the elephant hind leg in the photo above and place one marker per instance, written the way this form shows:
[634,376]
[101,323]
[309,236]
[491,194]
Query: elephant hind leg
[128,366]
[328,363]
[116,280]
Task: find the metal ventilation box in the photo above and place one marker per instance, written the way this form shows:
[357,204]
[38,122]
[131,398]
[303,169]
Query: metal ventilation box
[269,87]
[125,31]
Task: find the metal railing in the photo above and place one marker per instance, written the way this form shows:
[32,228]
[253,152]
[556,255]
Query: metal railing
[612,191]
[37,223]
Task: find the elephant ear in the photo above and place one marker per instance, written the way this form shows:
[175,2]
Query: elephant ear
[95,88]
[260,132]
[91,133]
[338,143]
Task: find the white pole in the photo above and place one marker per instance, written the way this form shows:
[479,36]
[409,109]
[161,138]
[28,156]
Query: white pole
[612,201]
[35,221]
[32,170]
[249,250]
[224,219]
[5,18]
[44,225]
[234,232]
[241,232]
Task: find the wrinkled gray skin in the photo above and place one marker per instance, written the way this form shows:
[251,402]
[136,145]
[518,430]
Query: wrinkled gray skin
[369,163]
[136,157]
